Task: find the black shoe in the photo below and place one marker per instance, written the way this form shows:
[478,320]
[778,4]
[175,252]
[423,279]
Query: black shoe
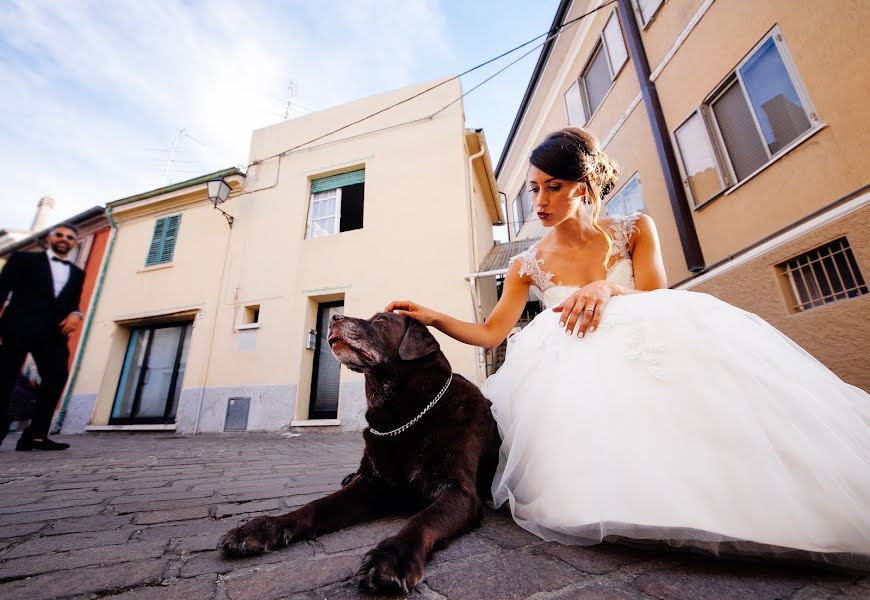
[26,444]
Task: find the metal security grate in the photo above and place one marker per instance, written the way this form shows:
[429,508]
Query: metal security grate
[823,275]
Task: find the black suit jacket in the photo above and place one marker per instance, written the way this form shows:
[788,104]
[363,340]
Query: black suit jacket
[33,309]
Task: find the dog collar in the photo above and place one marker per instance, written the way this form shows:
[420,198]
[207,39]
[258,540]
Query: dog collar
[399,430]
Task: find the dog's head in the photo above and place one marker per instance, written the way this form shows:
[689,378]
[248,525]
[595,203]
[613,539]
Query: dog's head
[384,339]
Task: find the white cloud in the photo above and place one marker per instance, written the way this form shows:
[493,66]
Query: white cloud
[92,91]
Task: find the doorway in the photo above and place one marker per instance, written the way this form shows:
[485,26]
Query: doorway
[327,369]
[151,377]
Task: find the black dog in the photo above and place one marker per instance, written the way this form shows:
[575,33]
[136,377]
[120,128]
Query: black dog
[431,450]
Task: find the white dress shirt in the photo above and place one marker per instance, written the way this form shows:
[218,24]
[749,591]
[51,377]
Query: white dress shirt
[59,272]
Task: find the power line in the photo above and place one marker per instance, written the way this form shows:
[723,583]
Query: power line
[550,35]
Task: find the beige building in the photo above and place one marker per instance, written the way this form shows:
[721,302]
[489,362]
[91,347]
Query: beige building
[748,144]
[215,322]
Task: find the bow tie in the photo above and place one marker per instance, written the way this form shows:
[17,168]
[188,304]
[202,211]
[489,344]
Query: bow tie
[60,260]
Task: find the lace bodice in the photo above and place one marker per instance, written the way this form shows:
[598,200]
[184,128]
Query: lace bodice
[621,271]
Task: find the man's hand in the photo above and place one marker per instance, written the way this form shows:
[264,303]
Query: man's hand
[71,323]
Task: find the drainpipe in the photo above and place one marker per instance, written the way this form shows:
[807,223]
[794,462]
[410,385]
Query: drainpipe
[469,185]
[664,148]
[101,276]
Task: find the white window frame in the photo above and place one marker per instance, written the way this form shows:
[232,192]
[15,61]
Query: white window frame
[336,216]
[574,98]
[602,46]
[717,158]
[618,193]
[724,167]
[637,11]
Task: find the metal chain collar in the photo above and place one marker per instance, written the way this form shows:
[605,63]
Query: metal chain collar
[399,430]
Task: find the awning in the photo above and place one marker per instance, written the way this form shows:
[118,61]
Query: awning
[496,261]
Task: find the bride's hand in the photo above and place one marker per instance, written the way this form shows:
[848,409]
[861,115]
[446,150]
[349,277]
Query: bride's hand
[584,307]
[424,315]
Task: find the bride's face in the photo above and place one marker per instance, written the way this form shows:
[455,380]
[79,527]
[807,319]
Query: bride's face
[556,200]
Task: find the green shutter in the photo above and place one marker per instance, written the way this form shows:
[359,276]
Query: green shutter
[156,241]
[163,240]
[172,224]
[337,181]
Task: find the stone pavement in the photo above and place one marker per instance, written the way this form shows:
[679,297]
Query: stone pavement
[137,516]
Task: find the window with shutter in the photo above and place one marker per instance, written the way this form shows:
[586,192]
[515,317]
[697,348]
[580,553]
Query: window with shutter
[760,111]
[153,257]
[336,204]
[648,9]
[172,224]
[163,239]
[597,78]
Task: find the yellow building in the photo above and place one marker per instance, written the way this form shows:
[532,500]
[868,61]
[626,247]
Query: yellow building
[743,129]
[208,323]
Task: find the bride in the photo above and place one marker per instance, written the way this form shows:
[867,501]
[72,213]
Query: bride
[662,415]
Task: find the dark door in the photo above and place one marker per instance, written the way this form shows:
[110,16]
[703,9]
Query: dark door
[151,378]
[325,378]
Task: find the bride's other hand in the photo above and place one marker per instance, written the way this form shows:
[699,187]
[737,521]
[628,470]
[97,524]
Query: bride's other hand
[584,307]
[424,315]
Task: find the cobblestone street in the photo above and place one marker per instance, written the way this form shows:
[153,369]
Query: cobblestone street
[138,516]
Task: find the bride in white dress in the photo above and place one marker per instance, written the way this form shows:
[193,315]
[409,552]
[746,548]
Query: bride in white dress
[663,415]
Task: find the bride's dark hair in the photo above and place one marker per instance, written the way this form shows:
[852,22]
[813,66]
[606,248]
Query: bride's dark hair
[573,154]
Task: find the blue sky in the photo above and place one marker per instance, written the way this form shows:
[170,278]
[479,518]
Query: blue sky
[94,93]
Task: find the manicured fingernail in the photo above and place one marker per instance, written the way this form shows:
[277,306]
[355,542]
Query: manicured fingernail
[581,334]
[591,329]
[561,323]
[568,331]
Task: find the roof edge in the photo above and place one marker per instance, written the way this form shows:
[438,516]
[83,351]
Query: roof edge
[561,11]
[175,187]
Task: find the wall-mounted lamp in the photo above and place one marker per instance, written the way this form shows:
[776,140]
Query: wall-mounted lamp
[218,192]
[311,339]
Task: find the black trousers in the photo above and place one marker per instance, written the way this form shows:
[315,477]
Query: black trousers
[51,355]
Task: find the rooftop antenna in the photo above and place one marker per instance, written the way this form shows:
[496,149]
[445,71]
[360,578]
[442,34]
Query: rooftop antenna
[291,93]
[175,140]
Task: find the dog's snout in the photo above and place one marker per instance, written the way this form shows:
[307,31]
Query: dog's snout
[337,318]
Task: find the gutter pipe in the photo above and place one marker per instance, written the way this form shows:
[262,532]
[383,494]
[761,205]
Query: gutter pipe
[92,309]
[665,150]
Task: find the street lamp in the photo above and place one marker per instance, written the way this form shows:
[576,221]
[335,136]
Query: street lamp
[218,192]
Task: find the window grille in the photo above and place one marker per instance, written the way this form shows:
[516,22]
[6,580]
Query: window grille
[823,275]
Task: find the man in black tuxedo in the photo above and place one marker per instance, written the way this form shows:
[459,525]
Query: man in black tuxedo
[42,311]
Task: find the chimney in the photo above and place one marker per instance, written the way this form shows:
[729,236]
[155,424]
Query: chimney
[43,214]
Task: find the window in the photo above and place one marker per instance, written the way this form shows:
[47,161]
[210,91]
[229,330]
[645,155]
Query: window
[574,106]
[336,204]
[586,95]
[522,208]
[823,275]
[647,9]
[699,161]
[755,114]
[628,200]
[163,241]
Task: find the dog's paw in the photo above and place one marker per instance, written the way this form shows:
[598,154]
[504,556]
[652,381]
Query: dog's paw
[392,567]
[255,537]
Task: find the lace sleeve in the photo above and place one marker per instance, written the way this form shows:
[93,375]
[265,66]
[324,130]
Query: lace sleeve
[623,228]
[530,265]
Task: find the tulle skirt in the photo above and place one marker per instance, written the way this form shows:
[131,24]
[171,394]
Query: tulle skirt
[682,420]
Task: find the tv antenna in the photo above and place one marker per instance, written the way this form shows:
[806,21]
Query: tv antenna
[175,140]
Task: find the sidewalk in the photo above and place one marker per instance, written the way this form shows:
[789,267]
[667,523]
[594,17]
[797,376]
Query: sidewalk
[138,517]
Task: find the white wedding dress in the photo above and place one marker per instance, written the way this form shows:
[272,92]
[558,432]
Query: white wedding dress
[682,420]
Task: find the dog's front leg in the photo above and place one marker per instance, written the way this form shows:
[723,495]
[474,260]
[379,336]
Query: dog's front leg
[396,564]
[358,501]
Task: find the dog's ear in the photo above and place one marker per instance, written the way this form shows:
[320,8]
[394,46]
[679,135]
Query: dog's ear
[418,342]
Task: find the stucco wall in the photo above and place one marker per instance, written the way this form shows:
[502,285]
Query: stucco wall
[838,334]
[415,243]
[829,52]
